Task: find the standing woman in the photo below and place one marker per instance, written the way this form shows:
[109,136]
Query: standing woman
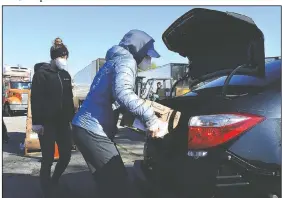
[52,111]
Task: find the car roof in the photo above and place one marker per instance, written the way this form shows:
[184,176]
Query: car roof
[272,73]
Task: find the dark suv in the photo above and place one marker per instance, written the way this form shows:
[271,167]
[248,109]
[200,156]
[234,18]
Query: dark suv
[228,140]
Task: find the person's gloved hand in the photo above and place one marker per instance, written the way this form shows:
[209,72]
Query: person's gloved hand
[39,129]
[154,129]
[159,129]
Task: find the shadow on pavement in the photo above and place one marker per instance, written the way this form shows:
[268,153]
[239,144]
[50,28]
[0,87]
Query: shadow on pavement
[14,142]
[72,185]
[13,147]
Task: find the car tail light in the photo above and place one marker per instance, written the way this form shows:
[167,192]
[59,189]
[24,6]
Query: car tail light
[211,130]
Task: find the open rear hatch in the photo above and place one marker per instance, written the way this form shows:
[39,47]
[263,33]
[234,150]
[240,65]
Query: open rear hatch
[216,43]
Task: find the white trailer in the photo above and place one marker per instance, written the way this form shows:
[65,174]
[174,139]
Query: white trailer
[82,81]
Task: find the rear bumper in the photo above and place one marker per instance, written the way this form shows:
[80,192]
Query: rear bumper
[18,107]
[175,180]
[189,177]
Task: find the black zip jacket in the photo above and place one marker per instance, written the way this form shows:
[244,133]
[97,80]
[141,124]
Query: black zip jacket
[51,95]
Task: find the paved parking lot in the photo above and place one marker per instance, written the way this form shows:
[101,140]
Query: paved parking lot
[21,174]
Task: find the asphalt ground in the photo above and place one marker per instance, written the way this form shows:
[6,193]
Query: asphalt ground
[21,173]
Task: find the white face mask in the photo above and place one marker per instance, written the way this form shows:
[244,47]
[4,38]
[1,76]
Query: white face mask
[145,64]
[61,63]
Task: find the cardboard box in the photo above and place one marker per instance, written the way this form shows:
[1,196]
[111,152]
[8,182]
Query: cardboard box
[31,139]
[164,113]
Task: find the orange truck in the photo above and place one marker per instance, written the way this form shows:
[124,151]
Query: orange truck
[16,87]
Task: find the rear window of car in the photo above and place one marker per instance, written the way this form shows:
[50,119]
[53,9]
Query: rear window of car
[272,74]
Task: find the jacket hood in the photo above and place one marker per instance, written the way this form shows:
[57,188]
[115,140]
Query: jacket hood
[137,43]
[42,65]
[45,66]
[37,66]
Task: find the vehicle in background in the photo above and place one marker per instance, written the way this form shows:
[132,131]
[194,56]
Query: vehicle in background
[228,140]
[82,81]
[169,71]
[149,89]
[16,87]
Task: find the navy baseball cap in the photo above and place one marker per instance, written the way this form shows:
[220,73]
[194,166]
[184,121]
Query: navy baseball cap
[152,52]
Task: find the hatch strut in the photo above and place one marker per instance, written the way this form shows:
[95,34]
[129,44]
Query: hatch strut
[227,80]
[185,76]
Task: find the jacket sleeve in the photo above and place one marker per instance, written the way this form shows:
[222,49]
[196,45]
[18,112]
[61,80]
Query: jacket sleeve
[37,98]
[124,74]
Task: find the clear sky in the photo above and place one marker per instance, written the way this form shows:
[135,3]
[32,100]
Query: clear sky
[89,31]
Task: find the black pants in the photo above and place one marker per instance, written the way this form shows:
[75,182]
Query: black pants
[104,162]
[60,133]
[5,136]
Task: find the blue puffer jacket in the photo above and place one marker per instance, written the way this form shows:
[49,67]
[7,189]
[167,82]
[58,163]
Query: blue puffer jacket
[114,83]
